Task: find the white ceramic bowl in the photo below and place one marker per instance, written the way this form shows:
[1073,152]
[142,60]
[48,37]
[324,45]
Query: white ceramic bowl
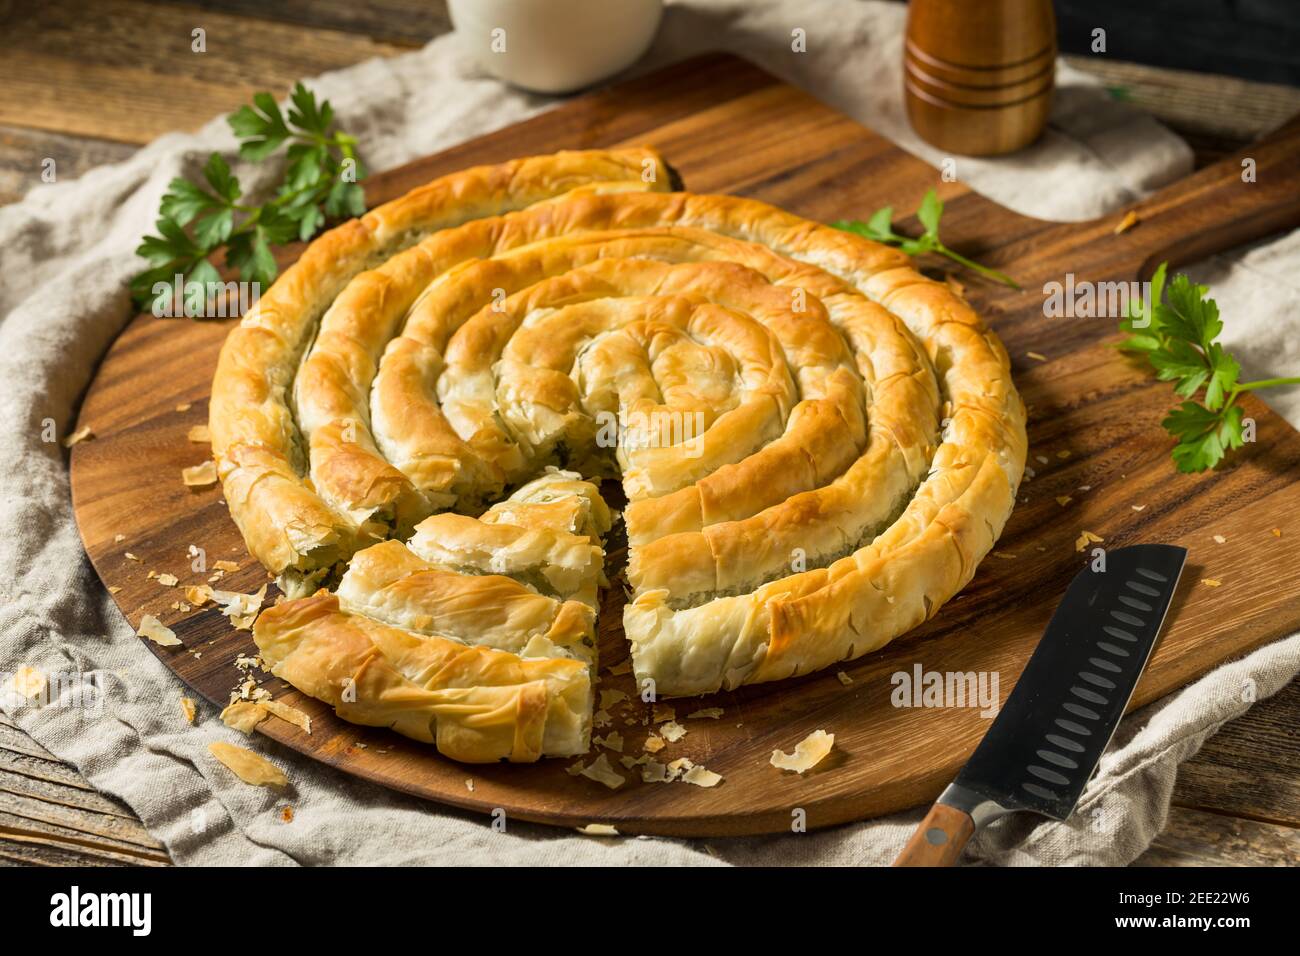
[556,46]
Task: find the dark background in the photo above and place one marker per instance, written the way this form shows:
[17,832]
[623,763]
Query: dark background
[1255,39]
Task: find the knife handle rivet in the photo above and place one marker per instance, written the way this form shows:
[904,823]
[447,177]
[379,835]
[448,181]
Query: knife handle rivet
[935,837]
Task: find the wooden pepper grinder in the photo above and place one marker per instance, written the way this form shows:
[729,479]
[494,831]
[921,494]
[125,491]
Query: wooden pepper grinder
[978,74]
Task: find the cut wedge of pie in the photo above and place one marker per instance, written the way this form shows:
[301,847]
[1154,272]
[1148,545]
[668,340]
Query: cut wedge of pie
[817,445]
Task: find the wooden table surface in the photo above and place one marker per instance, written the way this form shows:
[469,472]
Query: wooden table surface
[1236,803]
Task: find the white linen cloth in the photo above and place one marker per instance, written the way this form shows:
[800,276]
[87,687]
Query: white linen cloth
[66,252]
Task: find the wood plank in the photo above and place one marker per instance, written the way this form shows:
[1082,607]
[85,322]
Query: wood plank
[39,847]
[22,848]
[67,824]
[57,79]
[409,23]
[1197,838]
[74,801]
[729,127]
[1251,768]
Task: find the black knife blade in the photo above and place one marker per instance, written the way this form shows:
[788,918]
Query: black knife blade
[1050,734]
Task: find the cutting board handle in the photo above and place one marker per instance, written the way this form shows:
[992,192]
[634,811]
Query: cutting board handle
[1240,199]
[939,840]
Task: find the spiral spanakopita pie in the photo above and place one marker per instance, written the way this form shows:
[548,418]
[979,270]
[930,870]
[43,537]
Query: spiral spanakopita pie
[817,445]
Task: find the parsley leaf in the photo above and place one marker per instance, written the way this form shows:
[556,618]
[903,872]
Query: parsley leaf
[1176,330]
[197,220]
[880,229]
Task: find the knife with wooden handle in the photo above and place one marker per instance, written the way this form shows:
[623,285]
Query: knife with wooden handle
[1050,734]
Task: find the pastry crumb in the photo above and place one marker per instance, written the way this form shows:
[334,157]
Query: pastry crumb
[608,698]
[672,731]
[200,476]
[597,829]
[189,709]
[844,678]
[244,716]
[249,767]
[601,772]
[807,753]
[81,434]
[154,630]
[1128,222]
[708,712]
[29,682]
[1086,538]
[701,777]
[289,714]
[1211,582]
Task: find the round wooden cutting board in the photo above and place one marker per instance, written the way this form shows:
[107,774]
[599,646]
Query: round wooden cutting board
[1094,438]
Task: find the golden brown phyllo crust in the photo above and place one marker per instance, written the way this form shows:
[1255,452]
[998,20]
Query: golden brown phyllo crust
[817,444]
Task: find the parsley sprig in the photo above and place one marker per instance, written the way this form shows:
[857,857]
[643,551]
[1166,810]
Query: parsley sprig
[198,219]
[1176,331]
[880,228]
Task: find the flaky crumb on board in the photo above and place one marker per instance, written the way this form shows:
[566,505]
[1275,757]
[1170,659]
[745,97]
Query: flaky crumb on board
[1128,222]
[156,631]
[200,476]
[81,434]
[672,731]
[1086,538]
[808,753]
[289,714]
[707,713]
[601,771]
[244,715]
[702,777]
